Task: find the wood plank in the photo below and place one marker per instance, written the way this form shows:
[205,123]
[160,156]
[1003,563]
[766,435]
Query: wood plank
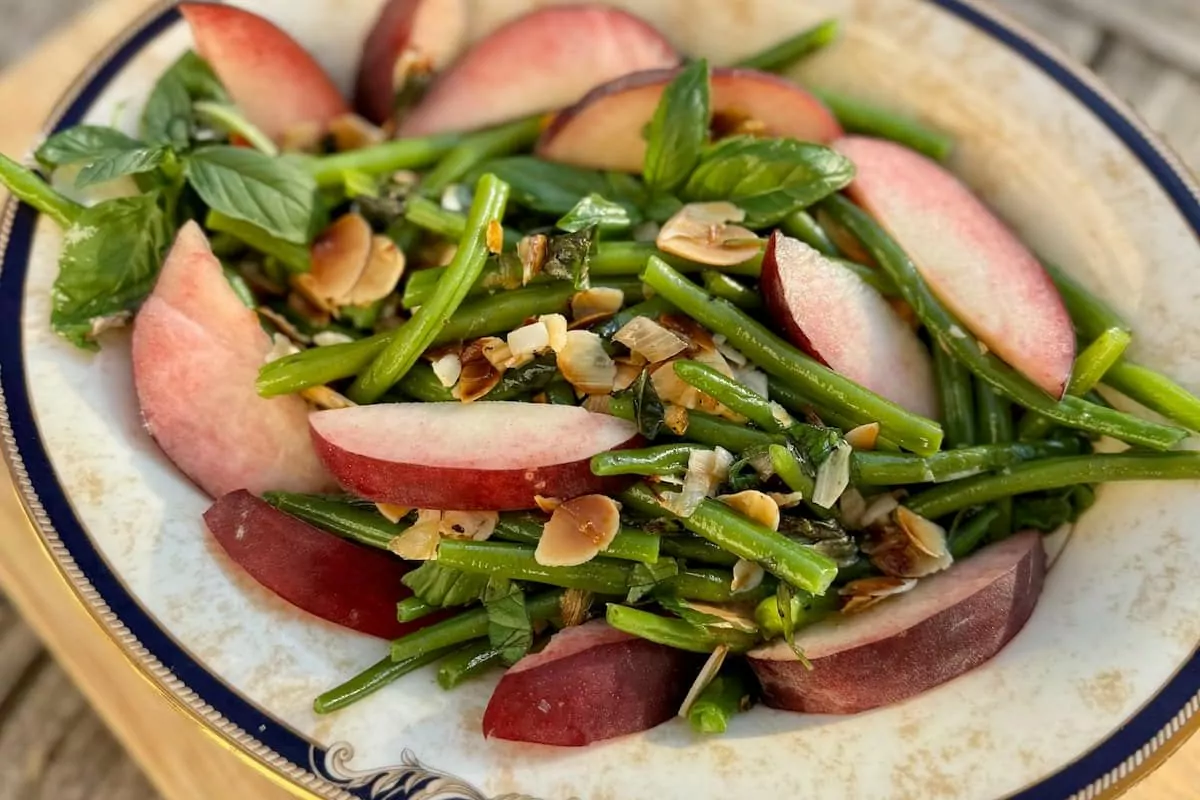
[1076,36]
[1168,28]
[89,763]
[43,713]
[19,649]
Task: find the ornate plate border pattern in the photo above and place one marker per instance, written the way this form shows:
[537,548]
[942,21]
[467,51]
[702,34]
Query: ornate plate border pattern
[1112,766]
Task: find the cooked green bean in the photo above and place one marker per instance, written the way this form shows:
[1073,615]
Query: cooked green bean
[677,633]
[721,285]
[475,148]
[1156,392]
[374,678]
[859,116]
[779,358]
[516,562]
[790,470]
[800,405]
[413,608]
[664,459]
[1070,411]
[800,566]
[995,420]
[1056,473]
[1091,315]
[381,159]
[719,702]
[731,393]
[955,394]
[1090,367]
[466,626]
[711,586]
[428,215]
[319,365]
[470,660]
[630,544]
[967,538]
[27,187]
[499,274]
[806,609]
[785,54]
[804,226]
[707,429]
[346,518]
[872,468]
[693,548]
[629,258]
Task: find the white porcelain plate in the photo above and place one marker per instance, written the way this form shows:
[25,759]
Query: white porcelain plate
[1100,683]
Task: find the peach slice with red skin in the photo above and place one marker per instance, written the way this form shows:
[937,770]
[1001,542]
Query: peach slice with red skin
[196,354]
[274,81]
[948,624]
[970,259]
[468,456]
[834,316]
[423,30]
[542,61]
[591,682]
[604,129]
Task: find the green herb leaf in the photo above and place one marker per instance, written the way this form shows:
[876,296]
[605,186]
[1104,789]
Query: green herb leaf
[110,259]
[678,130]
[1046,511]
[509,628]
[444,586]
[168,117]
[814,443]
[645,577]
[688,612]
[768,178]
[743,474]
[647,407]
[116,165]
[786,606]
[594,210]
[84,143]
[569,256]
[273,193]
[360,184]
[544,186]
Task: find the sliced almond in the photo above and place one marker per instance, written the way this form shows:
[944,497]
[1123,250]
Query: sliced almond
[754,505]
[575,605]
[475,525]
[547,504]
[578,530]
[747,575]
[339,257]
[448,368]
[532,252]
[391,512]
[285,325]
[697,336]
[866,592]
[325,398]
[879,508]
[626,375]
[595,304]
[495,236]
[907,545]
[705,233]
[556,326]
[420,542]
[707,673]
[786,500]
[478,375]
[385,268]
[352,132]
[529,339]
[650,340]
[676,419]
[926,535]
[585,364]
[863,437]
[495,350]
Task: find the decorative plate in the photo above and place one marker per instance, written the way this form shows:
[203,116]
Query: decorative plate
[1100,686]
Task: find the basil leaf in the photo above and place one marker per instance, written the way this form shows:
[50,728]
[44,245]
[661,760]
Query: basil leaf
[1046,511]
[444,586]
[768,178]
[110,259]
[787,607]
[569,256]
[644,578]
[678,130]
[509,628]
[84,143]
[594,210]
[116,165]
[544,186]
[273,193]
[168,117]
[647,407]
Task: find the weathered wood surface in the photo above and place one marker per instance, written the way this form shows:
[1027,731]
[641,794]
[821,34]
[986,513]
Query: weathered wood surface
[52,745]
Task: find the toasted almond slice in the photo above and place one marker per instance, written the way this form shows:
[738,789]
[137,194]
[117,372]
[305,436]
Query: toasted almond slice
[495,236]
[879,508]
[478,375]
[747,575]
[420,542]
[866,592]
[556,326]
[851,506]
[495,350]
[707,673]
[626,375]
[926,535]
[595,304]
[325,398]
[393,513]
[448,368]
[585,364]
[704,233]
[907,545]
[786,500]
[863,437]
[339,257]
[385,267]
[650,340]
[475,525]
[755,506]
[575,605]
[352,132]
[529,339]
[676,419]
[578,530]
[532,252]
[547,504]
[285,325]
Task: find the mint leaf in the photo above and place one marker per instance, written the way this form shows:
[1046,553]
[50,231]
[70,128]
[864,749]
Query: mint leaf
[84,143]
[544,186]
[644,578]
[509,628]
[678,130]
[647,407]
[1046,511]
[168,117]
[569,256]
[275,194]
[110,259]
[444,586]
[768,178]
[116,165]
[594,210]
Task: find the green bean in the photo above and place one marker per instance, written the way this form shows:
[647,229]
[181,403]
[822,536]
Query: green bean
[467,662]
[693,548]
[955,394]
[707,429]
[561,393]
[1070,411]
[1091,315]
[381,159]
[475,148]
[877,279]
[240,287]
[859,116]
[422,330]
[422,384]
[734,395]
[995,419]
[629,258]
[711,586]
[804,226]
[967,538]
[888,469]
[663,459]
[630,544]
[785,54]
[796,402]
[517,562]
[1056,473]
[227,118]
[428,215]
[27,187]
[719,702]
[790,470]
[411,609]
[1156,392]
[677,633]
[779,358]
[806,609]
[348,519]
[499,274]
[466,626]
[319,365]
[1090,367]
[374,678]
[721,285]
[800,566]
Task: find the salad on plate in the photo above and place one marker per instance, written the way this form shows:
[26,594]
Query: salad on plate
[660,387]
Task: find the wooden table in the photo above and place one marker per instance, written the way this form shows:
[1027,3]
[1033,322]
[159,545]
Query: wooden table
[52,747]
